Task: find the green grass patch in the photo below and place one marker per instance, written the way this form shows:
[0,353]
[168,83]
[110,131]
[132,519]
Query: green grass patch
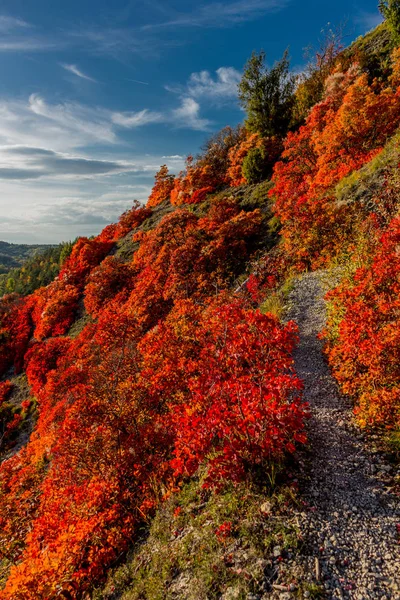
[202,545]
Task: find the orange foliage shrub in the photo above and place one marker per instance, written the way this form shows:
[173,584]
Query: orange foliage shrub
[86,254]
[199,178]
[42,358]
[242,414]
[163,186]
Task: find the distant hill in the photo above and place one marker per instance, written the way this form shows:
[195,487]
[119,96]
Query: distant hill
[25,268]
[14,255]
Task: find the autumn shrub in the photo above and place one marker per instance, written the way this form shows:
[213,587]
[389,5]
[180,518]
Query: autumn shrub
[106,281]
[194,183]
[215,152]
[86,254]
[42,358]
[343,132]
[245,412]
[362,334]
[237,154]
[163,186]
[131,219]
[16,328]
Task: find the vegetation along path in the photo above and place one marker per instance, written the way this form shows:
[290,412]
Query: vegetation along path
[349,520]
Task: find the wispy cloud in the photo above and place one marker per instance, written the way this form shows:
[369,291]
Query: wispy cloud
[76,71]
[131,120]
[67,126]
[19,36]
[59,127]
[221,14]
[10,24]
[119,42]
[26,45]
[138,81]
[91,124]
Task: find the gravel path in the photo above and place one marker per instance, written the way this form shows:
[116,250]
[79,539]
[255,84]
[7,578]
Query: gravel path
[349,524]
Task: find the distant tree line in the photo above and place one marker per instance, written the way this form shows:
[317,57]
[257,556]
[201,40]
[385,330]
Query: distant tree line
[37,271]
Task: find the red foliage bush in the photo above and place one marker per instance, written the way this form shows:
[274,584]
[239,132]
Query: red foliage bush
[16,328]
[244,409]
[341,133]
[42,358]
[363,334]
[85,255]
[194,183]
[237,154]
[105,282]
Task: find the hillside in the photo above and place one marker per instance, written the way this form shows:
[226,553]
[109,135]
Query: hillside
[169,426]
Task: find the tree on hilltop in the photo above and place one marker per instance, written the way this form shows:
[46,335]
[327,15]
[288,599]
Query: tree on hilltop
[390,9]
[267,95]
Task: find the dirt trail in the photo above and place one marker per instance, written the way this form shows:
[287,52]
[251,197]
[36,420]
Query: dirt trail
[350,521]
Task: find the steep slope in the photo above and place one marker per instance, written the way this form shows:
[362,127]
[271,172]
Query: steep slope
[169,372]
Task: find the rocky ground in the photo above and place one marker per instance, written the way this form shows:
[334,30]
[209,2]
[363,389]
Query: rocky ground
[349,524]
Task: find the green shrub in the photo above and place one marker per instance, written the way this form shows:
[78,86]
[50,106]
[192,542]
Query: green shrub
[256,167]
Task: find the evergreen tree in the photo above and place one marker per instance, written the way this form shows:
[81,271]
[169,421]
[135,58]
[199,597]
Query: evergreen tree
[267,95]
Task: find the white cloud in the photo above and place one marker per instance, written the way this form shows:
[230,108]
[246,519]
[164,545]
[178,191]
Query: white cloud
[76,71]
[218,89]
[188,116]
[24,162]
[67,126]
[138,81]
[136,119]
[25,45]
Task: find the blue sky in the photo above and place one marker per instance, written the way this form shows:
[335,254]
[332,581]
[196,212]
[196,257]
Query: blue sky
[97,94]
